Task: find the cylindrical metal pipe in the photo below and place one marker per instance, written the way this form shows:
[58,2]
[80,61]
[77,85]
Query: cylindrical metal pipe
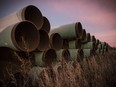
[44,40]
[76,54]
[69,31]
[83,37]
[46,25]
[65,44]
[98,51]
[56,41]
[99,46]
[45,58]
[89,45]
[30,13]
[63,53]
[88,52]
[87,39]
[21,36]
[93,39]
[75,44]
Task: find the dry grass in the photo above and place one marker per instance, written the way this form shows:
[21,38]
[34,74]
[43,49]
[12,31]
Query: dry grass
[96,71]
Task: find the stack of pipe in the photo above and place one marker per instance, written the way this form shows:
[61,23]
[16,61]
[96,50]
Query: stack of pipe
[26,34]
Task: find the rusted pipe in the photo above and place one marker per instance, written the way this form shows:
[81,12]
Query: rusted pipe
[88,52]
[56,41]
[22,36]
[76,44]
[63,53]
[89,45]
[30,13]
[44,40]
[45,58]
[65,44]
[69,31]
[76,54]
[46,25]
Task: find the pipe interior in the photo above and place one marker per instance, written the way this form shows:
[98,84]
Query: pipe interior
[83,34]
[78,29]
[25,36]
[56,41]
[46,25]
[65,44]
[34,15]
[78,43]
[49,57]
[66,55]
[44,40]
[88,37]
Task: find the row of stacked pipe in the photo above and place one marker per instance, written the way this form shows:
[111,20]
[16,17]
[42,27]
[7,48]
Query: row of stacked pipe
[26,34]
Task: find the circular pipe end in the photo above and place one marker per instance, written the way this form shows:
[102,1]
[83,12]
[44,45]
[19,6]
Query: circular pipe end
[46,24]
[56,41]
[78,29]
[33,14]
[78,43]
[25,37]
[88,37]
[49,57]
[65,44]
[66,55]
[44,40]
[83,35]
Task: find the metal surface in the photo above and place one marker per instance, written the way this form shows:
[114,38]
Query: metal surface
[45,58]
[56,41]
[30,13]
[46,25]
[89,45]
[69,31]
[22,36]
[75,44]
[44,41]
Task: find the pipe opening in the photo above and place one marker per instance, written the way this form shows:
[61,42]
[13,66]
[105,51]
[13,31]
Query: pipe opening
[93,39]
[56,41]
[78,29]
[88,37]
[66,55]
[65,44]
[46,25]
[49,57]
[44,40]
[25,36]
[83,35]
[78,43]
[34,15]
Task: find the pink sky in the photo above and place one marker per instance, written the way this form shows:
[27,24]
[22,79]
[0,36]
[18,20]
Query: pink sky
[98,17]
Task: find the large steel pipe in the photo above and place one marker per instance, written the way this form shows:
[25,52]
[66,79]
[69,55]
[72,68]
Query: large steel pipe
[46,25]
[45,58]
[88,52]
[89,45]
[65,44]
[83,37]
[44,40]
[56,41]
[69,31]
[22,36]
[63,53]
[87,39]
[93,39]
[30,13]
[76,54]
[76,44]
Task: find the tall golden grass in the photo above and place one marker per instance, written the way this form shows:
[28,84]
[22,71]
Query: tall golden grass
[95,71]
